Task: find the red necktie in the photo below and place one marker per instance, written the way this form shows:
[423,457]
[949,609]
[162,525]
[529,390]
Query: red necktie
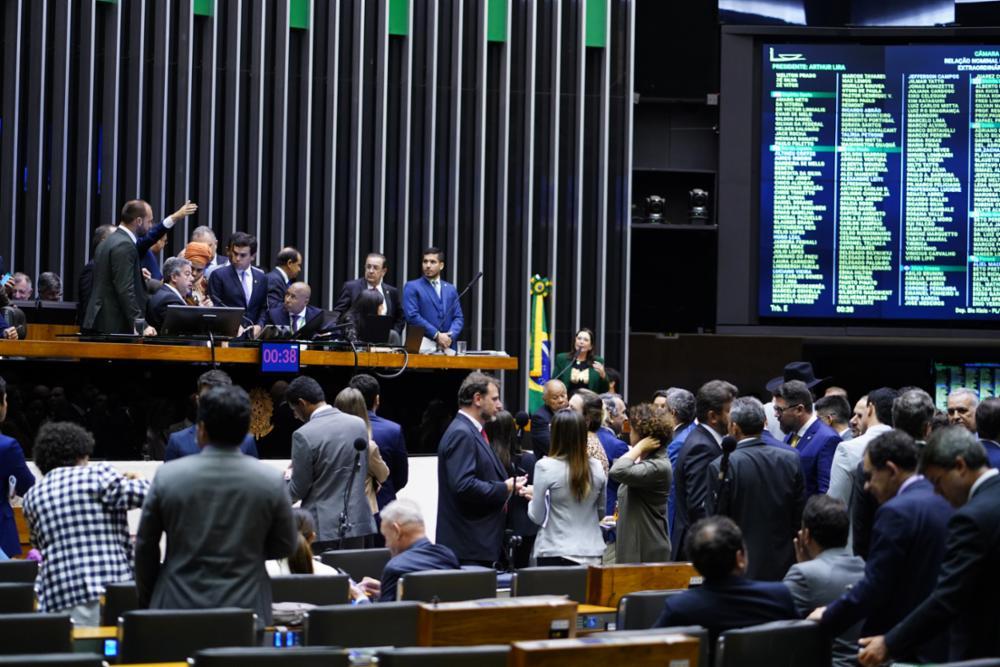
[485,437]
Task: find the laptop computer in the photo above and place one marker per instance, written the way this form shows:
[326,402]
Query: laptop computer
[414,337]
[375,329]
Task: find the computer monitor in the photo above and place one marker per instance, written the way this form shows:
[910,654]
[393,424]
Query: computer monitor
[202,321]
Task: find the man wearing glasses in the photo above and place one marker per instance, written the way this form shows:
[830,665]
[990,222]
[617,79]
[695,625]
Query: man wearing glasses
[815,440]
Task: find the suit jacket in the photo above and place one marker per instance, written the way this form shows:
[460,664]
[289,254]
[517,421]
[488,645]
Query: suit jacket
[393,302]
[691,483]
[388,435]
[818,582]
[817,447]
[185,443]
[277,285]
[84,287]
[12,464]
[15,317]
[992,452]
[471,493]
[147,259]
[119,292]
[595,382]
[614,448]
[224,514]
[156,309]
[422,307]
[968,586]
[540,435]
[225,289]
[322,456]
[862,507]
[906,551]
[765,486]
[422,555]
[673,452]
[280,316]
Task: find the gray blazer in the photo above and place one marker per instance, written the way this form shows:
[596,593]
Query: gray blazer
[820,581]
[224,514]
[642,508]
[322,456]
[572,527]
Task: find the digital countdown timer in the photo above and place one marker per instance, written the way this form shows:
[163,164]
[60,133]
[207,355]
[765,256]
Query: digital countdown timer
[279,358]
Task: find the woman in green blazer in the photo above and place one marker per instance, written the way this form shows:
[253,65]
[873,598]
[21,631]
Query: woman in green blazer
[582,369]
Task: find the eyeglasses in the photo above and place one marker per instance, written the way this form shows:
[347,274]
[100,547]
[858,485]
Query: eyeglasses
[778,410]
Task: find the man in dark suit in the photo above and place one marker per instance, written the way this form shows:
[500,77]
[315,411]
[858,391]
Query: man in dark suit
[554,399]
[391,306]
[403,530]
[152,242]
[204,234]
[287,267]
[702,446]
[813,438]
[185,442]
[906,549]
[968,585]
[12,466]
[388,435]
[294,311]
[224,514]
[85,283]
[988,423]
[762,492]
[432,303]
[177,281]
[239,284]
[118,298]
[727,599]
[472,489]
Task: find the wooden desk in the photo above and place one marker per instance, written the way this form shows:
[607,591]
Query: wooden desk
[23,533]
[652,651]
[592,618]
[495,621]
[606,584]
[102,632]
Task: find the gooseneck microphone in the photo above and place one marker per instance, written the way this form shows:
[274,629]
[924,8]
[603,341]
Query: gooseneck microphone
[360,445]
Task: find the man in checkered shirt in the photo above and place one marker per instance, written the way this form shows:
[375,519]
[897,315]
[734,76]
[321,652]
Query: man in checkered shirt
[77,516]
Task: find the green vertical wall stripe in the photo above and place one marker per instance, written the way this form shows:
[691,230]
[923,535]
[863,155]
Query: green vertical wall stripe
[298,14]
[597,27]
[399,11]
[204,7]
[496,20]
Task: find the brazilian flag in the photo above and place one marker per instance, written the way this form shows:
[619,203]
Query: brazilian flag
[541,348]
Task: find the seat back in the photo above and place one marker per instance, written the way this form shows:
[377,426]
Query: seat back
[17,598]
[319,589]
[18,571]
[448,585]
[36,633]
[982,662]
[445,656]
[777,644]
[118,599]
[700,633]
[53,660]
[271,657]
[639,610]
[359,563]
[382,624]
[568,581]
[171,635]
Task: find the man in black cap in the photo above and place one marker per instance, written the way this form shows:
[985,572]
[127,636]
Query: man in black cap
[795,370]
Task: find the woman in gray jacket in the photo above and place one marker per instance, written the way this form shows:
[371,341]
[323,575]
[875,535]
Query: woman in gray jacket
[567,497]
[644,473]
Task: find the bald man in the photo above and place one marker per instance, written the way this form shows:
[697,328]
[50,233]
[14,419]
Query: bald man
[295,311]
[554,398]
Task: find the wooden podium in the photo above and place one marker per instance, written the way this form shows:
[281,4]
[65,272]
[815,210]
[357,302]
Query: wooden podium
[496,621]
[606,584]
[652,651]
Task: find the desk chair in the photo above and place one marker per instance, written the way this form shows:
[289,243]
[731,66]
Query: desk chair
[36,633]
[700,633]
[568,581]
[382,624]
[639,610]
[359,563]
[118,599]
[18,571]
[172,635]
[448,585]
[445,656]
[316,589]
[17,598]
[776,644]
[270,657]
[53,660]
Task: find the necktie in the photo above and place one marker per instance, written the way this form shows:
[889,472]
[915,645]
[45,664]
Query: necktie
[485,437]
[437,287]
[247,286]
[296,322]
[794,440]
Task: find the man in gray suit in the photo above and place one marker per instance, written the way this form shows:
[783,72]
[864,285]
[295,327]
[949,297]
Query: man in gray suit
[224,515]
[324,450]
[825,568]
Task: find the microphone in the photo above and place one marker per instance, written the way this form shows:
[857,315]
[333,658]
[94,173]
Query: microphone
[521,419]
[360,444]
[724,497]
[451,308]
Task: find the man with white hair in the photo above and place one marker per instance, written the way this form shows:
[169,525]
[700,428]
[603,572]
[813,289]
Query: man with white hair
[403,529]
[204,234]
[962,404]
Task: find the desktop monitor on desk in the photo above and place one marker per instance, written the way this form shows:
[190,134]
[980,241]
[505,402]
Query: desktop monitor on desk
[202,321]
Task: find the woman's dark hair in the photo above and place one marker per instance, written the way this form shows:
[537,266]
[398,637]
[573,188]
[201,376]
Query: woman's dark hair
[502,432]
[593,344]
[301,560]
[593,409]
[569,442]
[61,444]
[367,302]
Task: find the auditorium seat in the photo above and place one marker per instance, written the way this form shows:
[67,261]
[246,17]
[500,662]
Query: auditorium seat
[172,635]
[359,563]
[982,662]
[17,598]
[776,644]
[448,585]
[315,589]
[700,633]
[445,656]
[382,624]
[568,581]
[118,599]
[35,633]
[271,657]
[639,610]
[53,660]
[18,571]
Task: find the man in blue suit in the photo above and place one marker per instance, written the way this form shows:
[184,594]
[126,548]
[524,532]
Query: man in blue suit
[908,541]
[432,303]
[815,441]
[151,243]
[184,442]
[178,279]
[12,465]
[988,425]
[239,284]
[473,487]
[287,267]
[388,435]
[295,311]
